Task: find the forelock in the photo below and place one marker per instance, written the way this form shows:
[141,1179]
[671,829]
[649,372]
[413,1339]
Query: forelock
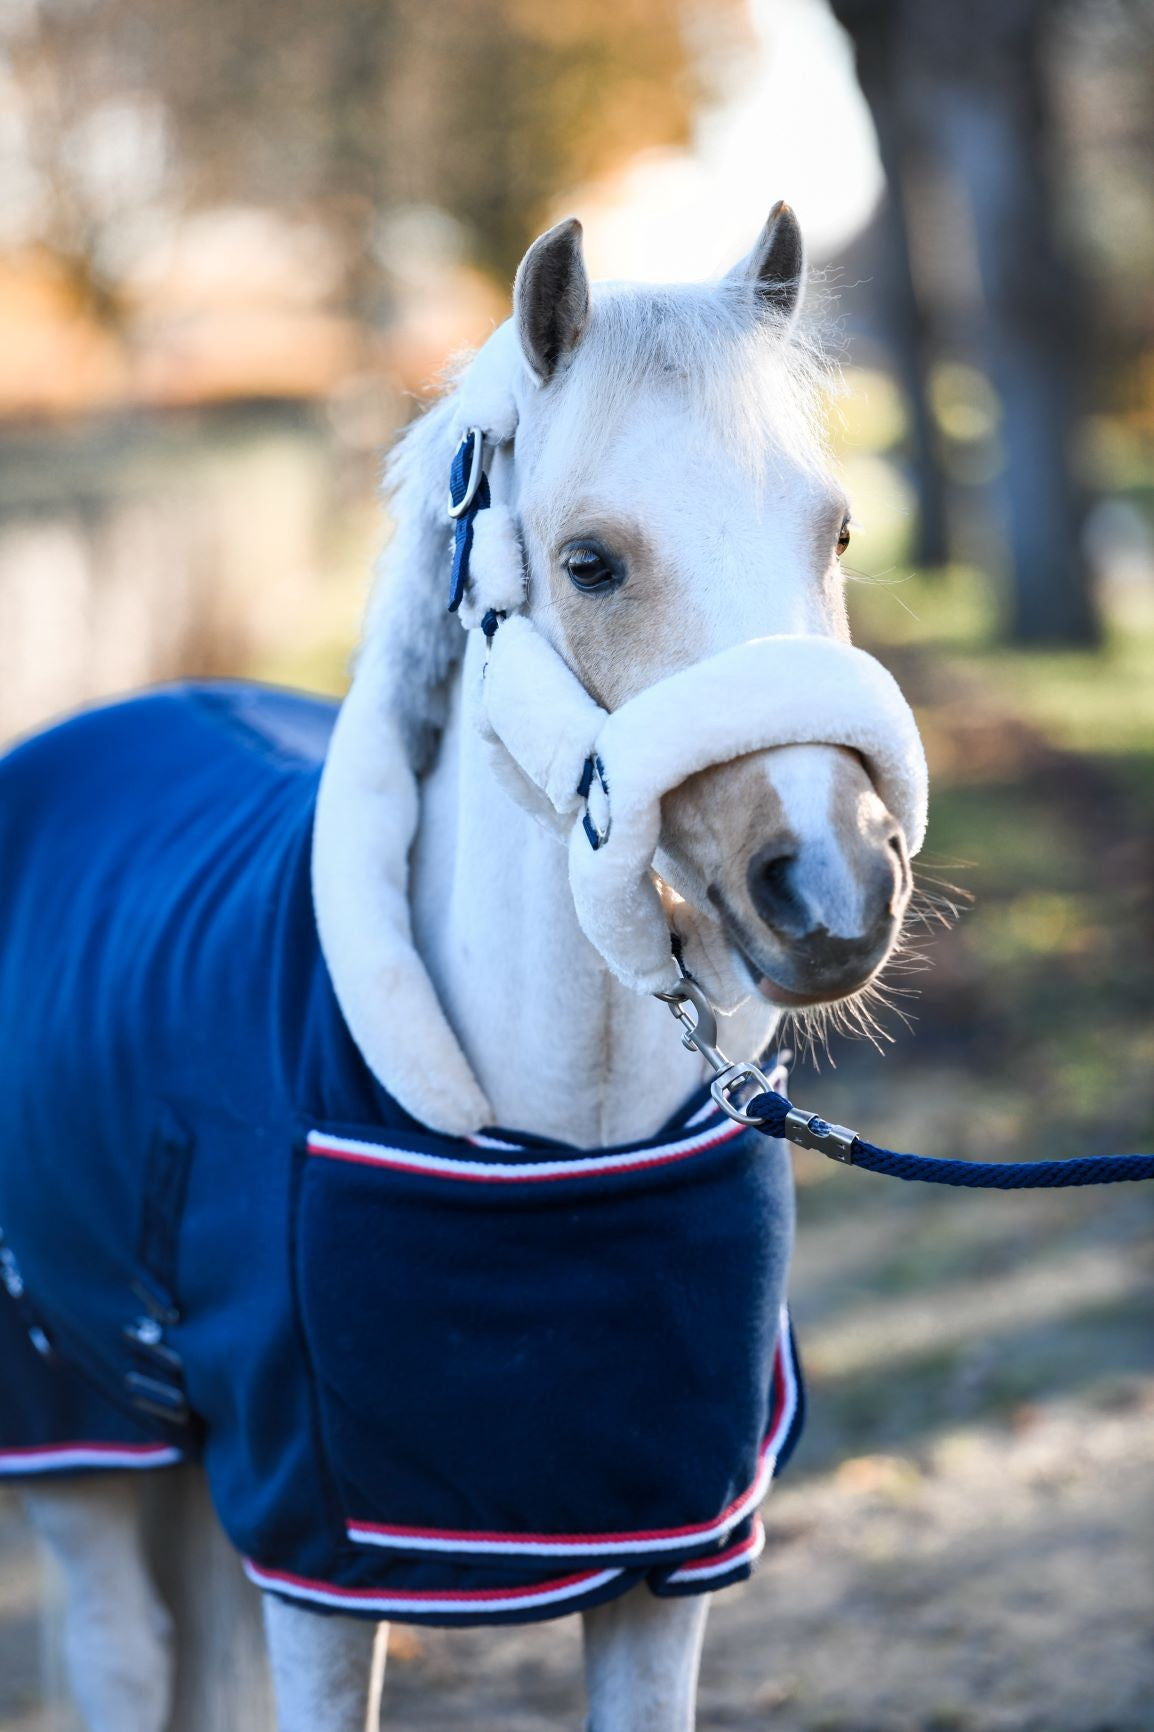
[756,386]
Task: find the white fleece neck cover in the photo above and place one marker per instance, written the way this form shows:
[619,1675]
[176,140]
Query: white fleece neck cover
[773,691]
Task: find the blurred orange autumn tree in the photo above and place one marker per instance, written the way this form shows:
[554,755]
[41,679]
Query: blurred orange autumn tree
[134,113]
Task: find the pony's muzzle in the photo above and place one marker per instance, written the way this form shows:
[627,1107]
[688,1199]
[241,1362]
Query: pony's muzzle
[804,866]
[830,922]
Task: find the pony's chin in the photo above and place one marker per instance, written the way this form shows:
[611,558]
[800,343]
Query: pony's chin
[754,977]
[708,955]
[786,1000]
[784,997]
[770,989]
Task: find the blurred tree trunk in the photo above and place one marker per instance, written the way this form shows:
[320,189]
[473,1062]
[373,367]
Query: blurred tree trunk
[960,94]
[900,310]
[1038,328]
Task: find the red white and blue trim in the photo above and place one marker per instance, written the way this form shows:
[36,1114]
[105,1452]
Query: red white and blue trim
[409,1160]
[642,1542]
[69,1457]
[740,1556]
[431,1602]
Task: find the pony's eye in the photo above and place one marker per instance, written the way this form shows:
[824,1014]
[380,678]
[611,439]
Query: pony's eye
[590,567]
[843,538]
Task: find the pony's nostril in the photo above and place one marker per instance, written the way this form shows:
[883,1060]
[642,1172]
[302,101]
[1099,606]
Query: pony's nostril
[900,869]
[774,893]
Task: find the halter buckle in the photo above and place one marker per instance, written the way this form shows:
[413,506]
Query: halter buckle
[458,508]
[593,776]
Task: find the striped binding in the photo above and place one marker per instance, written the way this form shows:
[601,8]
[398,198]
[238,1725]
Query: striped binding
[518,1172]
[427,1600]
[613,1544]
[735,1557]
[60,1457]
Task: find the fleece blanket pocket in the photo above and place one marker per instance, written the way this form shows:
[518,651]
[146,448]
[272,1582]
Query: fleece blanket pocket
[538,1353]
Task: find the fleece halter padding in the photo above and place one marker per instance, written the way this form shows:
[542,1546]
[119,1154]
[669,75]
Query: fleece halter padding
[772,691]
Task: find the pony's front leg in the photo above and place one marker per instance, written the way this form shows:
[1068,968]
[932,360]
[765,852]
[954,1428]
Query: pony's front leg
[641,1660]
[117,1630]
[327,1672]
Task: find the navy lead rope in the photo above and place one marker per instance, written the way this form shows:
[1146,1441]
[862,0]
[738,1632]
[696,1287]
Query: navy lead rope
[769,1113]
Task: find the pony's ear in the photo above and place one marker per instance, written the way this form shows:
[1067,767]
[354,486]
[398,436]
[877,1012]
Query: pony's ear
[551,298]
[776,266]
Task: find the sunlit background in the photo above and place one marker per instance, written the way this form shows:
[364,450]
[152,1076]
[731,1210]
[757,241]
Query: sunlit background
[238,240]
[238,243]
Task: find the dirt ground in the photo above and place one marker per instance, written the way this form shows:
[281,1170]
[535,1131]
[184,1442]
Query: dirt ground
[965,1540]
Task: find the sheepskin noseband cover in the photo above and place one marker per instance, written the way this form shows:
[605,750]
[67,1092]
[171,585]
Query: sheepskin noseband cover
[772,691]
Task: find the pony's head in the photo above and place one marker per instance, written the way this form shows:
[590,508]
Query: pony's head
[655,541]
[663,494]
[673,497]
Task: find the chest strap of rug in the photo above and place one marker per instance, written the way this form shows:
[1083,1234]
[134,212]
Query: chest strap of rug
[155,1377]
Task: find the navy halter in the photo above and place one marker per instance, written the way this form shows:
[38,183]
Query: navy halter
[468,494]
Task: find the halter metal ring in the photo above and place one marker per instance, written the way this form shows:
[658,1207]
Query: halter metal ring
[476,470]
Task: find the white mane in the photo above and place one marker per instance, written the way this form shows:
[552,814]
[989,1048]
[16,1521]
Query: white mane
[755,387]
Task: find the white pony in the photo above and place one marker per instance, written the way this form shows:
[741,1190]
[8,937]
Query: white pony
[661,503]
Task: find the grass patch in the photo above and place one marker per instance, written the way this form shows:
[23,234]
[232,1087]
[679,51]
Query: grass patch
[955,608]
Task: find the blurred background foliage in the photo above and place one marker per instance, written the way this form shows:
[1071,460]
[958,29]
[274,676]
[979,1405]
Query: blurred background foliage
[235,239]
[238,243]
[134,116]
